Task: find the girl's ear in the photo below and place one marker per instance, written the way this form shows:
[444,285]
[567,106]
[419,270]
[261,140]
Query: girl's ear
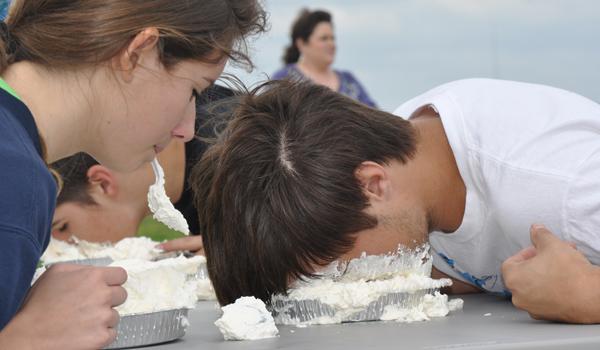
[142,47]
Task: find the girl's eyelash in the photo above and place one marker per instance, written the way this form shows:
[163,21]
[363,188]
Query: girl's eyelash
[63,227]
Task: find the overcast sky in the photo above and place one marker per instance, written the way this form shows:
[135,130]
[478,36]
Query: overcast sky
[400,48]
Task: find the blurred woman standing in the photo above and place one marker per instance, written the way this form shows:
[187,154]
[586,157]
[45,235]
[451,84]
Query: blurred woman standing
[311,55]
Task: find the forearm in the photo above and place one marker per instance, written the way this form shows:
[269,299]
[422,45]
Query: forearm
[13,337]
[457,287]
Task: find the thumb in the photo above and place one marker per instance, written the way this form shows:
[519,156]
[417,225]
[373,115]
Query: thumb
[541,237]
[524,254]
[514,262]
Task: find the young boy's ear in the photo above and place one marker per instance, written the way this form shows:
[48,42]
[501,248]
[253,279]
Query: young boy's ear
[374,180]
[102,180]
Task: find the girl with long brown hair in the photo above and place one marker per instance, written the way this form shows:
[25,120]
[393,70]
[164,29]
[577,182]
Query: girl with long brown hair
[113,78]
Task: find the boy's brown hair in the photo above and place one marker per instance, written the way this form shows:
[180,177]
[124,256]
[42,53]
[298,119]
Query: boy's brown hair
[277,194]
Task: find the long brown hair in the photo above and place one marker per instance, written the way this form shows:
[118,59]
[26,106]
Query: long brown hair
[277,193]
[74,33]
[67,34]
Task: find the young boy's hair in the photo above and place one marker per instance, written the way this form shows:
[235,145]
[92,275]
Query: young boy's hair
[277,194]
[75,184]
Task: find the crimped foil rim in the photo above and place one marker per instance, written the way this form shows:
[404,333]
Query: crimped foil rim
[292,312]
[103,261]
[150,328]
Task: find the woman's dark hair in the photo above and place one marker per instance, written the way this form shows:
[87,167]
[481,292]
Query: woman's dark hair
[302,29]
[277,193]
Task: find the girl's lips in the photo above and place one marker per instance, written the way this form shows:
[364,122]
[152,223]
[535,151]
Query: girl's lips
[158,148]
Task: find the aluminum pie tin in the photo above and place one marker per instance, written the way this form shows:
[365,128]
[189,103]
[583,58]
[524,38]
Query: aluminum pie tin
[292,312]
[202,272]
[150,328]
[104,261]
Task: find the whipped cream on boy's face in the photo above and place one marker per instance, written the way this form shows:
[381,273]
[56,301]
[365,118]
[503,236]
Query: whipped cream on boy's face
[344,290]
[128,248]
[160,205]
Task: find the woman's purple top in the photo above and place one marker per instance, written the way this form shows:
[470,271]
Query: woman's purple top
[349,86]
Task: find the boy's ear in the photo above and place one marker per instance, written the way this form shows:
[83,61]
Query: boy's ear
[102,180]
[141,47]
[374,179]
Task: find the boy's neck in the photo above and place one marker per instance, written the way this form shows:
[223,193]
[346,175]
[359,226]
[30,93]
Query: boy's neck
[442,187]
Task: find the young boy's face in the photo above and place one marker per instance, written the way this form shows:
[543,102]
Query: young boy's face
[93,223]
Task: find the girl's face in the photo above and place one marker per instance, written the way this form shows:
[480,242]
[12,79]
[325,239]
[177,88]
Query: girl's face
[320,47]
[142,113]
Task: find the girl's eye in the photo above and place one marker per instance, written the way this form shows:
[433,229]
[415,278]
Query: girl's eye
[63,227]
[195,94]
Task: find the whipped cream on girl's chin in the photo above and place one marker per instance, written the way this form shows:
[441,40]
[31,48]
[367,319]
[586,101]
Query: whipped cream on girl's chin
[160,204]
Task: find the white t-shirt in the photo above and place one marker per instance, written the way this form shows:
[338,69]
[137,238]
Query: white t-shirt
[527,154]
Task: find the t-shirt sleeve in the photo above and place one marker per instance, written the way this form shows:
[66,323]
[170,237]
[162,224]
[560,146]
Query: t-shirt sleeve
[582,209]
[28,196]
[17,265]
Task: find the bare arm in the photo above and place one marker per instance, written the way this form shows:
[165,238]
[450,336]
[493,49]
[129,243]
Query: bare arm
[69,307]
[457,287]
[553,281]
[189,243]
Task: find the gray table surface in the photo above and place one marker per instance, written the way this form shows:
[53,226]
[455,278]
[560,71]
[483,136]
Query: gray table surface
[486,322]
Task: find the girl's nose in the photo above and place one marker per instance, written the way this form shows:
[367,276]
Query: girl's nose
[186,128]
